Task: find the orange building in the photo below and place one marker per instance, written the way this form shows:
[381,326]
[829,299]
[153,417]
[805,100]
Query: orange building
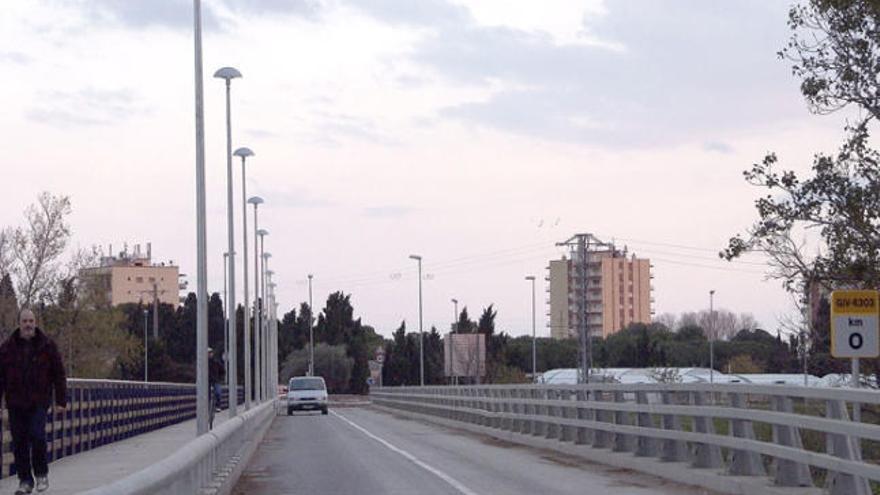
[133,278]
[610,286]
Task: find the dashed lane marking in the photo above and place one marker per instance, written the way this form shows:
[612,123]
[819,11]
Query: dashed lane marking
[415,460]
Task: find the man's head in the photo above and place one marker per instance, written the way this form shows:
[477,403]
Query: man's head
[27,324]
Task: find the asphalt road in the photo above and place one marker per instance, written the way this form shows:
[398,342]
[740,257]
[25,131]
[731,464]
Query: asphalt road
[359,450]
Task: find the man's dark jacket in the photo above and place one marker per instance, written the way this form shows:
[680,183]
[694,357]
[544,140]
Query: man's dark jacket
[30,371]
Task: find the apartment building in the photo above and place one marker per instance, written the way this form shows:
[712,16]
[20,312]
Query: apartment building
[134,278]
[610,286]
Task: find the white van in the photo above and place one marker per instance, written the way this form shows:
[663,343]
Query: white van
[306,393]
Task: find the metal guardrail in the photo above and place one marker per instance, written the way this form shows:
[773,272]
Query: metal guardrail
[208,465]
[769,436]
[100,412]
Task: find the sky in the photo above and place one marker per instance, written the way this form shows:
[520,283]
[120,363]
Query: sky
[476,134]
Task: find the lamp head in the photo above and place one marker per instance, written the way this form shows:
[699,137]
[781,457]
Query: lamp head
[454,301]
[227,73]
[255,200]
[267,255]
[262,232]
[531,277]
[415,257]
[243,152]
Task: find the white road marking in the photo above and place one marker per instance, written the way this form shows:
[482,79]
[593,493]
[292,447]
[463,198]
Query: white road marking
[440,474]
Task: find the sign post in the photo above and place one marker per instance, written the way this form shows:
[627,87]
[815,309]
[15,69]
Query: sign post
[854,330]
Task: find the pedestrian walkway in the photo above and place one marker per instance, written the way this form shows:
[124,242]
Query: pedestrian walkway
[98,467]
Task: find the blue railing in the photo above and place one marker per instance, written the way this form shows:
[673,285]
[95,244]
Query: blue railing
[100,412]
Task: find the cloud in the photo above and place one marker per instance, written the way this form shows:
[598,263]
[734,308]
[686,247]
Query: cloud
[171,14]
[413,13]
[295,197]
[655,73]
[334,127]
[309,9]
[718,147]
[16,58]
[261,133]
[389,211]
[87,107]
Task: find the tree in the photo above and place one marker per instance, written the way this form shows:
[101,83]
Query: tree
[8,307]
[835,51]
[37,246]
[331,363]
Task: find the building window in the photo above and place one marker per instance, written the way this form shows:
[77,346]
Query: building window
[139,280]
[152,279]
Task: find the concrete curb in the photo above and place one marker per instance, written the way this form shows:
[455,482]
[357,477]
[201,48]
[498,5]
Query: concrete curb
[678,472]
[244,457]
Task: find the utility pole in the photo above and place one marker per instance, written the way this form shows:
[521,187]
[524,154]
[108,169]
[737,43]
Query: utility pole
[581,246]
[712,336]
[311,334]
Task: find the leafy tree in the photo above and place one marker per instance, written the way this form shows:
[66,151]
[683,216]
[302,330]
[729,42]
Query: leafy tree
[331,363]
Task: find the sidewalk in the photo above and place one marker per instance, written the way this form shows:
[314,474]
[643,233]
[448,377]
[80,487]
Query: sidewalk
[111,462]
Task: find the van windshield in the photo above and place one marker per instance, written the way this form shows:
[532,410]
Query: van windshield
[307,384]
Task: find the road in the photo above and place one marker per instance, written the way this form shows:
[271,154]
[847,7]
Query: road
[359,450]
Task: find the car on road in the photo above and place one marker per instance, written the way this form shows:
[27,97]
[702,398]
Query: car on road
[306,393]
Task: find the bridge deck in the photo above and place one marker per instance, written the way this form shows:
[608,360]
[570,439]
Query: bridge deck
[359,450]
[108,463]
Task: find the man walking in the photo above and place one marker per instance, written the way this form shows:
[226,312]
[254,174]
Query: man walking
[30,371]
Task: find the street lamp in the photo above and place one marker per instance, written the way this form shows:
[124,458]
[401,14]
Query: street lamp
[452,341]
[263,365]
[273,340]
[245,153]
[421,330]
[260,325]
[146,346]
[268,288]
[201,231]
[226,322]
[250,334]
[228,74]
[712,336]
[531,278]
[311,333]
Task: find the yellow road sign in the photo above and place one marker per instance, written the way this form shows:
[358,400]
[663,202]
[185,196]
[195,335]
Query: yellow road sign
[854,323]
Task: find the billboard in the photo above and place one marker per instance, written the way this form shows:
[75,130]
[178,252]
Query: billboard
[464,354]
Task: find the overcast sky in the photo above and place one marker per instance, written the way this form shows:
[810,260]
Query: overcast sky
[475,133]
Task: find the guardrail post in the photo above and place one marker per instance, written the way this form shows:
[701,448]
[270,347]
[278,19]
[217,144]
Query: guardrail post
[552,427]
[505,421]
[645,446]
[602,438]
[672,450]
[789,473]
[705,455]
[528,424]
[539,427]
[623,442]
[584,435]
[567,432]
[844,447]
[744,462]
[496,406]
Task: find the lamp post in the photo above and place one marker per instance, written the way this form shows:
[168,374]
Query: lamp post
[311,333]
[228,74]
[251,335]
[421,330]
[273,339]
[262,309]
[712,336]
[201,232]
[146,347]
[531,278]
[264,332]
[452,341]
[225,321]
[268,288]
[244,153]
